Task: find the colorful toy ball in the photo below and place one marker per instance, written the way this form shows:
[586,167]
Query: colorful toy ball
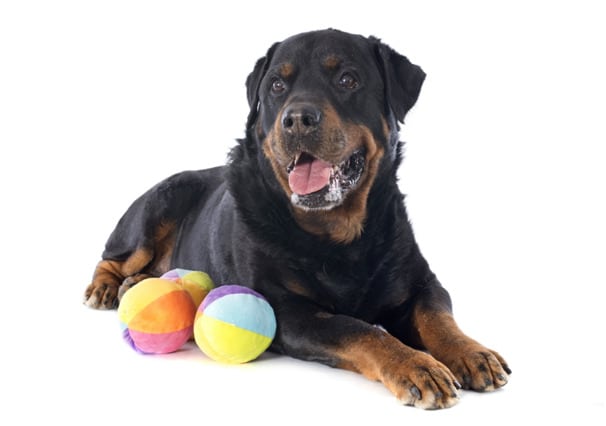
[234,324]
[156,316]
[197,283]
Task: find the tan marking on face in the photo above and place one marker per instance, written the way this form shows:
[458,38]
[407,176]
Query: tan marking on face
[270,146]
[286,70]
[340,140]
[345,223]
[331,62]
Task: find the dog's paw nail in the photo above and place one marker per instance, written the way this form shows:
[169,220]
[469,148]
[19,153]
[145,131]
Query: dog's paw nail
[415,392]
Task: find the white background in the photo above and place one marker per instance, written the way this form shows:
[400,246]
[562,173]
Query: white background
[504,173]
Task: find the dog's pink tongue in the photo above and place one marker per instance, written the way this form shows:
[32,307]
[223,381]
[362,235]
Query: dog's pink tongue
[309,176]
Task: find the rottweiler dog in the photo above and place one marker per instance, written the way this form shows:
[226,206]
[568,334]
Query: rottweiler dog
[307,211]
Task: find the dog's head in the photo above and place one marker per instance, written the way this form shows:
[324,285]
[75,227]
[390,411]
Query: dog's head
[325,107]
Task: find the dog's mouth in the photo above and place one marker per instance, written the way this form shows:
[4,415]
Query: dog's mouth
[319,185]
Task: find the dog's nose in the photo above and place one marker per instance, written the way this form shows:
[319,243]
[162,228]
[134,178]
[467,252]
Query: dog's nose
[301,119]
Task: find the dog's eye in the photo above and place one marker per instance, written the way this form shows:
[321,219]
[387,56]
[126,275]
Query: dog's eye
[348,81]
[277,86]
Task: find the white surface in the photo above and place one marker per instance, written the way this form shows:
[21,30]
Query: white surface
[504,171]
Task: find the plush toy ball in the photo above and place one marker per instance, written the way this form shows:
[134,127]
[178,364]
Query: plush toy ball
[197,283]
[234,324]
[156,316]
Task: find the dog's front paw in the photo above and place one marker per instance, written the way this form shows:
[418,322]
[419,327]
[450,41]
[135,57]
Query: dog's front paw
[101,295]
[477,367]
[130,282]
[106,291]
[423,382]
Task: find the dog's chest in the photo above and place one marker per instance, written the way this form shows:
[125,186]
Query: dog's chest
[345,291]
[364,288]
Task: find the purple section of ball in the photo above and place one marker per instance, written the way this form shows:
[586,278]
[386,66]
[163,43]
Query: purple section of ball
[224,291]
[171,275]
[175,274]
[128,339]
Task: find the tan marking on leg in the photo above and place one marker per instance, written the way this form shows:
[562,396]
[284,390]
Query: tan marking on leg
[414,377]
[164,246]
[106,289]
[136,262]
[102,293]
[475,366]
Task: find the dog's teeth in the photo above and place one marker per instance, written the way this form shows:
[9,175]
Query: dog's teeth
[293,163]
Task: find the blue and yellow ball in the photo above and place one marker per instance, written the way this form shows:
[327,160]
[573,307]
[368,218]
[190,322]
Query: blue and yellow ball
[234,324]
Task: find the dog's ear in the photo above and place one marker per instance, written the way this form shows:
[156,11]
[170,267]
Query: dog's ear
[253,81]
[402,79]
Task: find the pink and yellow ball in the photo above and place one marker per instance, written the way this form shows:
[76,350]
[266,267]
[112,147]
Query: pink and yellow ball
[157,316]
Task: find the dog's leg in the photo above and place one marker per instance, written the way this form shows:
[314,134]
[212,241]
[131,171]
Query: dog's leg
[414,377]
[142,243]
[112,278]
[151,257]
[475,366]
